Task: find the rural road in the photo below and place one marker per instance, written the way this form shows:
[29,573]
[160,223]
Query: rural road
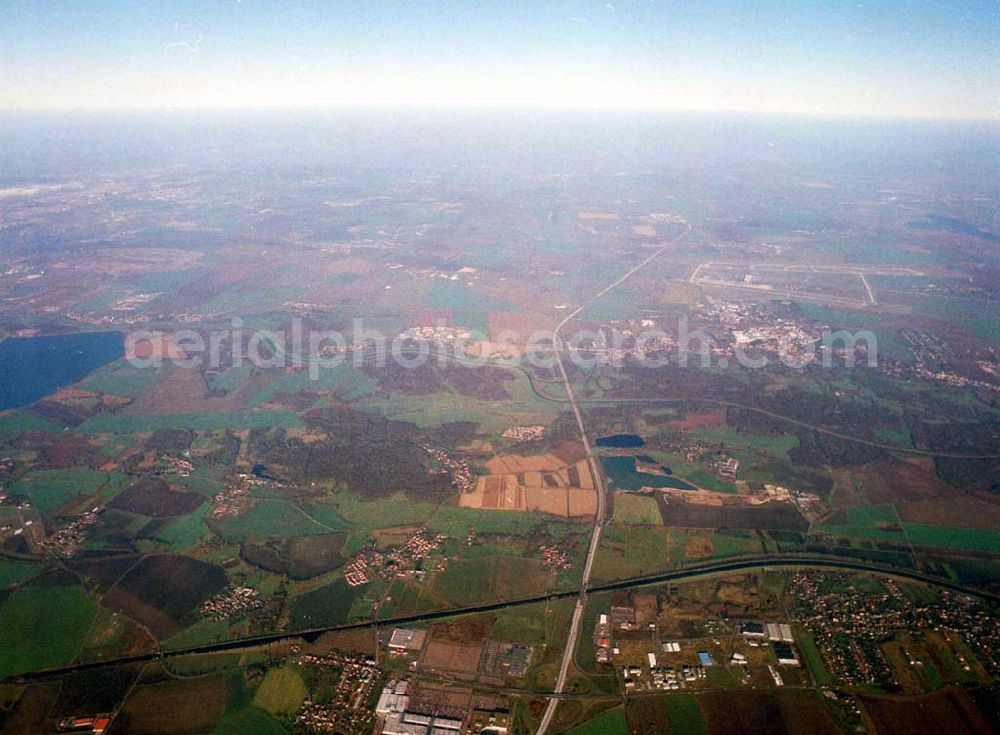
[595,538]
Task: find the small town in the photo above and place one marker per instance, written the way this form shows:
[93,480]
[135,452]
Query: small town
[850,626]
[179,466]
[461,473]
[394,562]
[711,454]
[66,541]
[233,604]
[352,682]
[232,501]
[554,557]
[524,433]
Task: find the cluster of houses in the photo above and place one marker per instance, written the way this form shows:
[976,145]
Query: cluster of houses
[524,433]
[396,561]
[232,604]
[174,466]
[461,473]
[554,557]
[67,540]
[349,707]
[231,501]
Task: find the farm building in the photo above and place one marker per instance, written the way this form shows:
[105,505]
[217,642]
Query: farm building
[780,632]
[623,617]
[412,723]
[786,654]
[392,699]
[753,630]
[407,639]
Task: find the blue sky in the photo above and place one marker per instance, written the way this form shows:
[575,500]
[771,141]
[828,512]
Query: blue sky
[915,59]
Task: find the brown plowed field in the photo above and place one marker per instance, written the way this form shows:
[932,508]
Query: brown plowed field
[514,463]
[952,712]
[547,492]
[452,656]
[165,591]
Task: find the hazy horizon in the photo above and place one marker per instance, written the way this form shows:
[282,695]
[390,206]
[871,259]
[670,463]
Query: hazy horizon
[41,143]
[910,60]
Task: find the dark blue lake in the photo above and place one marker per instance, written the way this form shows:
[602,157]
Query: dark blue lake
[33,367]
[626,476]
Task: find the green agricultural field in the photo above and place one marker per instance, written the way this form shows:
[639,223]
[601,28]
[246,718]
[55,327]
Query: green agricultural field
[778,446]
[282,691]
[249,720]
[685,715]
[183,533]
[238,694]
[163,281]
[734,543]
[708,545]
[487,549]
[490,578]
[610,723]
[231,379]
[469,308]
[43,626]
[814,661]
[201,633]
[15,423]
[122,379]
[346,381]
[630,552]
[103,300]
[342,279]
[131,424]
[442,408]
[969,312]
[875,521]
[50,489]
[622,303]
[13,572]
[250,299]
[521,624]
[271,519]
[881,522]
[899,437]
[403,598]
[702,478]
[395,510]
[636,510]
[966,539]
[202,481]
[202,664]
[363,605]
[356,540]
[328,605]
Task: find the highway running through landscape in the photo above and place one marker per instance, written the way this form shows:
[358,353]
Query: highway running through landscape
[595,538]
